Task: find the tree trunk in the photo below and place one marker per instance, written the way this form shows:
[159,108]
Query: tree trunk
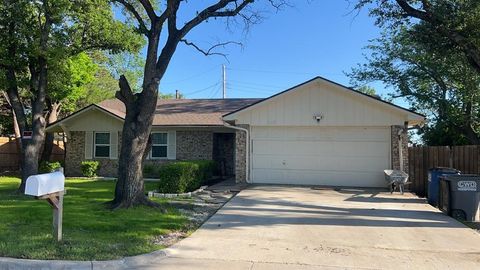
[130,190]
[471,135]
[33,146]
[16,130]
[49,137]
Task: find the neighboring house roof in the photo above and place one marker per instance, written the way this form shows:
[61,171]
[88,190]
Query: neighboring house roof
[229,115]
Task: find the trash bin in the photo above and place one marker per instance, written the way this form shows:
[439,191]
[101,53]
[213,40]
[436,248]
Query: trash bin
[434,180]
[460,196]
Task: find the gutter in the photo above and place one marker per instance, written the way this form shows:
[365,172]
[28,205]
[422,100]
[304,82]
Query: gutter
[247,142]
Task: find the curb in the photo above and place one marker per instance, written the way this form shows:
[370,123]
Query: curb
[120,264]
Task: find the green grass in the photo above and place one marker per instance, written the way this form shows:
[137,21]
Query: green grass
[90,230]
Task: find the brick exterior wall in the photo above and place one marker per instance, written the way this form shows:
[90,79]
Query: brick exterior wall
[75,154]
[396,147]
[240,157]
[191,145]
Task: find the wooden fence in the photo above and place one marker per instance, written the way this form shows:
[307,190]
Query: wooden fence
[421,158]
[9,155]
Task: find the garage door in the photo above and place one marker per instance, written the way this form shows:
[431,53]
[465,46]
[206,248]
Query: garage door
[339,156]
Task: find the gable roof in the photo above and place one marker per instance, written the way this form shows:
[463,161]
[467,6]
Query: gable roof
[318,78]
[173,112]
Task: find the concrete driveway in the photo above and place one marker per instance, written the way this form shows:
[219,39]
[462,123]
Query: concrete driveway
[278,227]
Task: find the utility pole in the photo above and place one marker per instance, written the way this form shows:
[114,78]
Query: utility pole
[224,72]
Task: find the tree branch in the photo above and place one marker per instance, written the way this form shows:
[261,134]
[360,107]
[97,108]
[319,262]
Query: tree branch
[141,23]
[149,9]
[125,93]
[214,11]
[413,12]
[210,51]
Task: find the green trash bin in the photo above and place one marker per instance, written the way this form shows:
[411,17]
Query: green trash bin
[459,196]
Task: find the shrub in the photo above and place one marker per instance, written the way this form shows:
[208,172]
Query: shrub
[89,168]
[206,169]
[150,170]
[48,167]
[185,176]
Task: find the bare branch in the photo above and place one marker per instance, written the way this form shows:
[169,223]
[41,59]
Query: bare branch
[215,10]
[141,23]
[210,51]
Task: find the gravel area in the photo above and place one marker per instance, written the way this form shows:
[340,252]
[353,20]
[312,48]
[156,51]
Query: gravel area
[197,208]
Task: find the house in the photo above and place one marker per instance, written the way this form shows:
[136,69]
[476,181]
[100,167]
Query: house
[316,133]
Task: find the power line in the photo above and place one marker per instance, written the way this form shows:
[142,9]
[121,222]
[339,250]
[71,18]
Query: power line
[269,86]
[285,72]
[191,77]
[251,89]
[216,92]
[271,71]
[203,89]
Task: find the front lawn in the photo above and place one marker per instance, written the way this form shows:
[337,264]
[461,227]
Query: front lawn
[90,231]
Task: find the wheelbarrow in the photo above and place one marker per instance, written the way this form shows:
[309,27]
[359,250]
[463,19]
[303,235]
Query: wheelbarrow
[396,179]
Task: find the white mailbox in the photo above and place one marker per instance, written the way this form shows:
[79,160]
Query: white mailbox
[51,187]
[43,184]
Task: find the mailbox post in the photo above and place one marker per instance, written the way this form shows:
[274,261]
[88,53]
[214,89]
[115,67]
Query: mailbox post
[50,187]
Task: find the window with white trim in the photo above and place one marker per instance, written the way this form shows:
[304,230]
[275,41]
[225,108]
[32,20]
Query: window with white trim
[101,147]
[159,145]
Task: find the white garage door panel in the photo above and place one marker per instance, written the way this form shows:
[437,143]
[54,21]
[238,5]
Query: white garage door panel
[327,178]
[320,156]
[319,163]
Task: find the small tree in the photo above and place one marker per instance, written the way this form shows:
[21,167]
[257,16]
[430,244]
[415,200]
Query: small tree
[140,107]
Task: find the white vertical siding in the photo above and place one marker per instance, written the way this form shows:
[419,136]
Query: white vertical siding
[340,107]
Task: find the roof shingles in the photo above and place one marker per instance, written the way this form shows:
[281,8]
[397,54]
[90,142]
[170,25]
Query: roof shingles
[185,112]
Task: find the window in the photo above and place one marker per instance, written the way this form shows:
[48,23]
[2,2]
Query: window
[159,145]
[102,145]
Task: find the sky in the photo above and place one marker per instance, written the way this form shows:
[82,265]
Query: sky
[312,38]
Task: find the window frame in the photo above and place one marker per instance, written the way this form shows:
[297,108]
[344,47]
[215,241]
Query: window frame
[95,144]
[165,144]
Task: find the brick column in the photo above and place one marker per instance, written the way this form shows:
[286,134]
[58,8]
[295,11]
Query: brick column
[396,147]
[240,156]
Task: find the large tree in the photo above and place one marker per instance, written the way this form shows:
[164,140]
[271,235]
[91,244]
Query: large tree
[455,20]
[36,34]
[438,81]
[165,24]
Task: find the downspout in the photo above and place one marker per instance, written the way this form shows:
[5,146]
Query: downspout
[247,142]
[400,149]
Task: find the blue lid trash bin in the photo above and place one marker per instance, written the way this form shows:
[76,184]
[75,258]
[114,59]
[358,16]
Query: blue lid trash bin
[460,196]
[434,182]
